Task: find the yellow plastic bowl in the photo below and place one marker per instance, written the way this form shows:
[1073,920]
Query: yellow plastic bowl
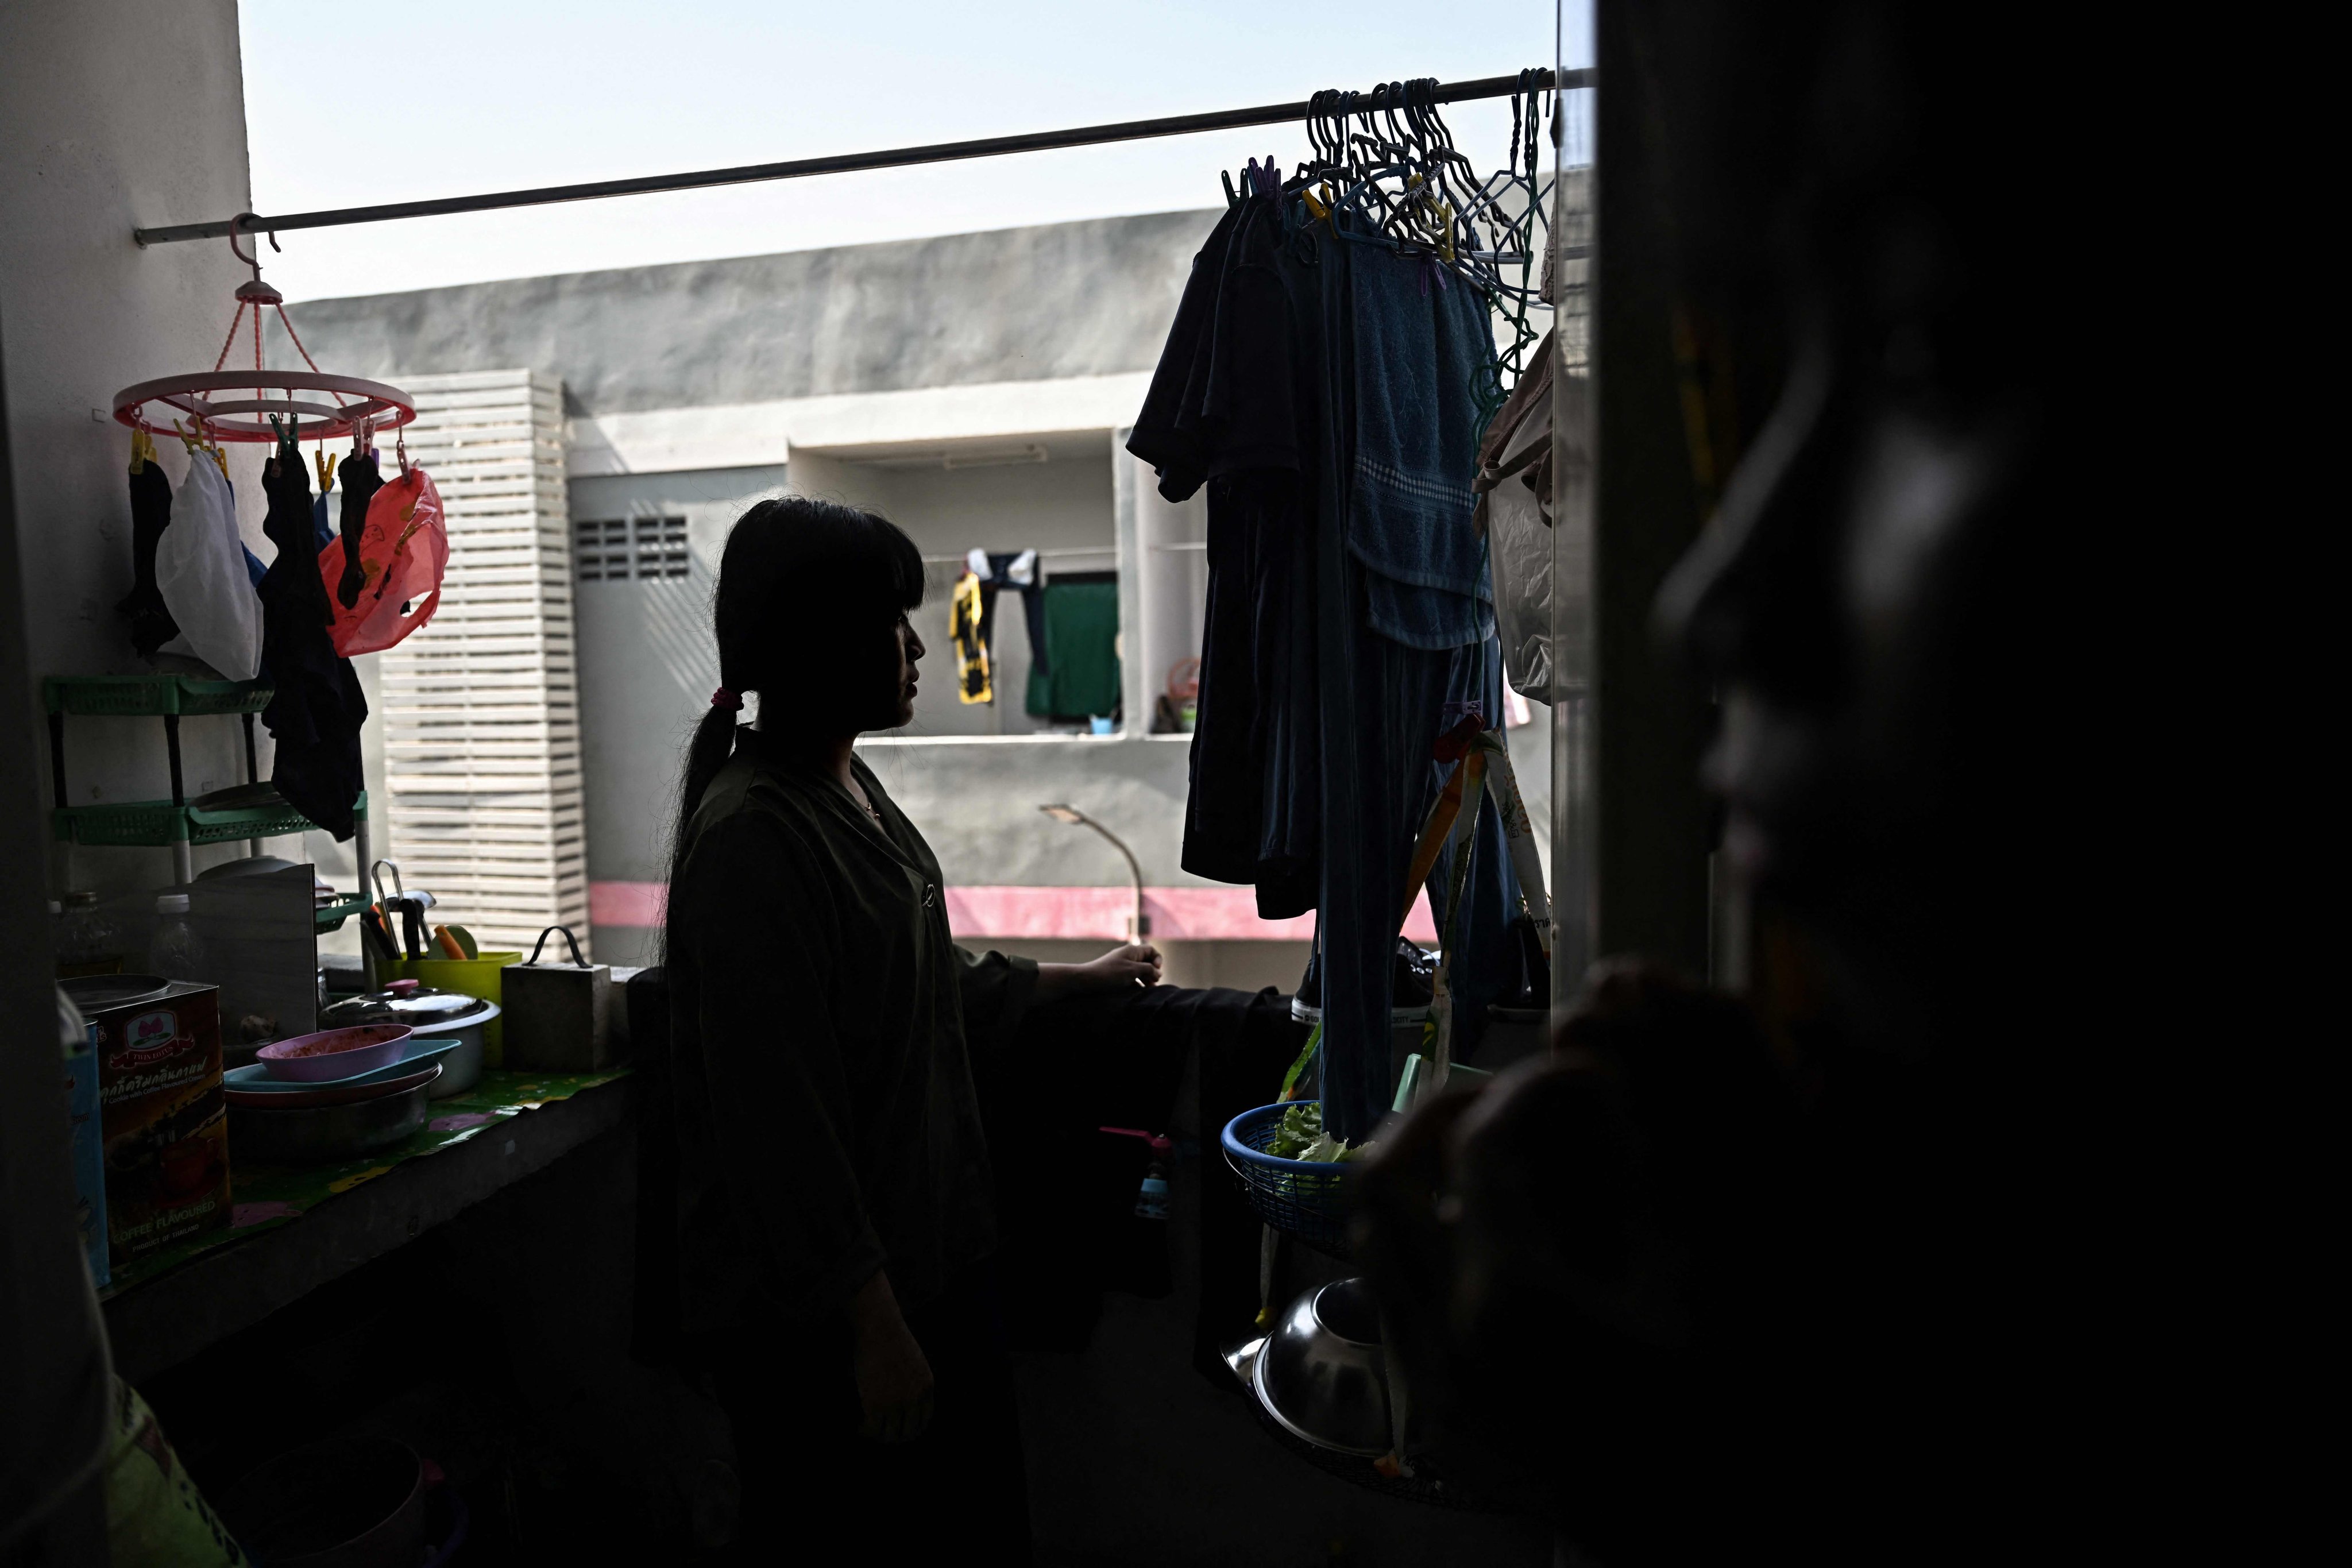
[470,977]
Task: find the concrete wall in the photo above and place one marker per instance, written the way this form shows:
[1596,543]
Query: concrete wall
[113,113]
[1057,301]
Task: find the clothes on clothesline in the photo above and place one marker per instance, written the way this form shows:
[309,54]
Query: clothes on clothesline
[151,624]
[360,483]
[1514,516]
[316,714]
[1321,384]
[201,574]
[1074,672]
[971,648]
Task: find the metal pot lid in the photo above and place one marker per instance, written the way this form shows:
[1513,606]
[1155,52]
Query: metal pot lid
[404,1002]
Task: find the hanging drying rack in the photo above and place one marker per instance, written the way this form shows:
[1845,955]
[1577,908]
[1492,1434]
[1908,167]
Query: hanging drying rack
[372,405]
[843,163]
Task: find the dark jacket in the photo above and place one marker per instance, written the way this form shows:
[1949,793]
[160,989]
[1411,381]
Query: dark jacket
[821,1016]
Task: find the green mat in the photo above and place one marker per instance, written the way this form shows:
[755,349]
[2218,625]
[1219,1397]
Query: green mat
[267,1197]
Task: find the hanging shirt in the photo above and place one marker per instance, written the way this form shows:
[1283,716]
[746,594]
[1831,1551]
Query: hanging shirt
[821,1019]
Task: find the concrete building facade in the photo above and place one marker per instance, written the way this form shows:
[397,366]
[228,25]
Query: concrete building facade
[974,388]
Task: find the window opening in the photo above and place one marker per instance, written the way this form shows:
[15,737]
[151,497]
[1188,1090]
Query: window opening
[615,550]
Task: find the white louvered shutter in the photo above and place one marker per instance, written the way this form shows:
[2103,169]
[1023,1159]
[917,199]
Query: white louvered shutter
[482,728]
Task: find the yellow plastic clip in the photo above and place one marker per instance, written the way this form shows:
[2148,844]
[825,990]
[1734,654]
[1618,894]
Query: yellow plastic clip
[324,461]
[1317,209]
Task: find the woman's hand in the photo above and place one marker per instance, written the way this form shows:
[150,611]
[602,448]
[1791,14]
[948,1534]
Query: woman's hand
[1133,966]
[894,1377]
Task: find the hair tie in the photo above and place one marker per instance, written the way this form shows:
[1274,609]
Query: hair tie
[723,697]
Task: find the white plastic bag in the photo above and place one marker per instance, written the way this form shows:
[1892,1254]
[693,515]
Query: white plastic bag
[1519,546]
[200,571]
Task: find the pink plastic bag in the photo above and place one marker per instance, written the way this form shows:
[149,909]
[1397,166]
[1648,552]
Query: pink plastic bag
[403,552]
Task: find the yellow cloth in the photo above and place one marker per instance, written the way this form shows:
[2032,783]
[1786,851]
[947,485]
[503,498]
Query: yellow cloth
[971,653]
[155,1518]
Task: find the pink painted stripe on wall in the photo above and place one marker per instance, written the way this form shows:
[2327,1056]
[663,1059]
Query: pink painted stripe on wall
[1178,914]
[626,904]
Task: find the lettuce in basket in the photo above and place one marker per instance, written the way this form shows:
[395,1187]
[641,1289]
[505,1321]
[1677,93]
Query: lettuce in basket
[1301,1137]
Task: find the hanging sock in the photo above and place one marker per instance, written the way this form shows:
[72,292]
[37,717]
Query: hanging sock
[316,715]
[361,482]
[151,624]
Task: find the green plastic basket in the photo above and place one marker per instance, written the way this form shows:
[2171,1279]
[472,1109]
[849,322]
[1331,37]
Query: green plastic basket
[148,696]
[127,824]
[255,822]
[158,822]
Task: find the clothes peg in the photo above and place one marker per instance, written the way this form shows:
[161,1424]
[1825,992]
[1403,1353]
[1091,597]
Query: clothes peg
[324,461]
[190,442]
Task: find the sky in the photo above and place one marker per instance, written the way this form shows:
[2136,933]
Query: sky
[436,99]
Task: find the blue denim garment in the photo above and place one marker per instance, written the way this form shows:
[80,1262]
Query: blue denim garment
[1421,342]
[1381,709]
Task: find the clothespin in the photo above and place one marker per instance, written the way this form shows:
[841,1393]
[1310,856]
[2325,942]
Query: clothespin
[324,461]
[190,442]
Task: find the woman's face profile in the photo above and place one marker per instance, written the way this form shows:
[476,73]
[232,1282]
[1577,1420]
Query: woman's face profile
[909,649]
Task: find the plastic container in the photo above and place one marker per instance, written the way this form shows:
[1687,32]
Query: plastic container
[175,952]
[480,976]
[87,940]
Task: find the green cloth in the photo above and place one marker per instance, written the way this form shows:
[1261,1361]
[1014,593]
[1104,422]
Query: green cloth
[827,1124]
[155,1516]
[267,1197]
[1081,653]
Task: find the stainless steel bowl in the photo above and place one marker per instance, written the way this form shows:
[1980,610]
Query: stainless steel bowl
[461,1069]
[315,1134]
[1321,1373]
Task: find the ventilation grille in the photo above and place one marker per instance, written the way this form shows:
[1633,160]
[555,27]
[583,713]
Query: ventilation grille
[618,550]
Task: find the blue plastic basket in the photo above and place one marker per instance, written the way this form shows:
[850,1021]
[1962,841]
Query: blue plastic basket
[1307,1200]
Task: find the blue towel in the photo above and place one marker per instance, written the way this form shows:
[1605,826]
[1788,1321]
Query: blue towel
[1422,343]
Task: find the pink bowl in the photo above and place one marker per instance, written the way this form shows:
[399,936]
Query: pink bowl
[336,1053]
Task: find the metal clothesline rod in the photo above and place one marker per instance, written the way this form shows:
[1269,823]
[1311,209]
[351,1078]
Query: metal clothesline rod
[840,163]
[1041,555]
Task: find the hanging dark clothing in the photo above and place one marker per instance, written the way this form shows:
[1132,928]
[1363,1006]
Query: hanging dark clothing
[316,714]
[151,624]
[1236,404]
[360,482]
[821,1024]
[1321,384]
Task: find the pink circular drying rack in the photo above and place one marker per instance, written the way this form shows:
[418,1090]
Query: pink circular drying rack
[162,406]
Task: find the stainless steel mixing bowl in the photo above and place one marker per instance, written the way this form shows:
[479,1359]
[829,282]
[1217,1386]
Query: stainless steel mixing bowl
[1322,1375]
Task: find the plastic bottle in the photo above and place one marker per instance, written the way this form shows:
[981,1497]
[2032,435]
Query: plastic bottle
[87,943]
[1151,1198]
[175,952]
